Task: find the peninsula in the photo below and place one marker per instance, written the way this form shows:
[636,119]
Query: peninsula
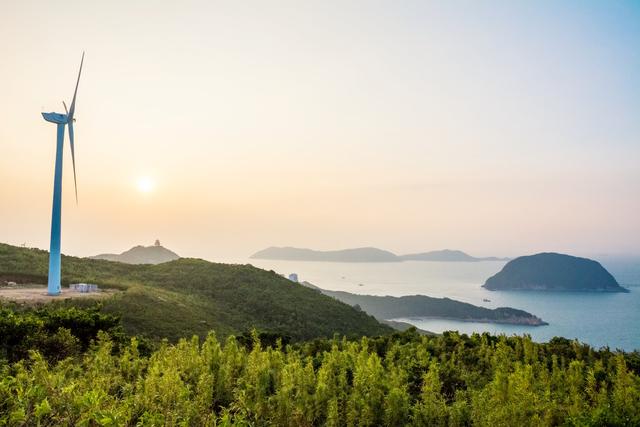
[385,308]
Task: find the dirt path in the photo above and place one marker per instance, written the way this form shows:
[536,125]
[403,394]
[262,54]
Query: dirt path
[38,294]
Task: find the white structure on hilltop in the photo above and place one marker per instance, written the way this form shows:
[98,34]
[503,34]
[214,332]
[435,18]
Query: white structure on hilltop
[293,277]
[83,287]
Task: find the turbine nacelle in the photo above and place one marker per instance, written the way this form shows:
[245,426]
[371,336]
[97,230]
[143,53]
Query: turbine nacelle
[58,118]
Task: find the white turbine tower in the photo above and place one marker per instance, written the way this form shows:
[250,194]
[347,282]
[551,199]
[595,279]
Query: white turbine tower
[53,287]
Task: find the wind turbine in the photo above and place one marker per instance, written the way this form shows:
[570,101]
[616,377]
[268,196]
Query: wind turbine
[53,287]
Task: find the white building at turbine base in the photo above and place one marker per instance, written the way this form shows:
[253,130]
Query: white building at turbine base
[83,288]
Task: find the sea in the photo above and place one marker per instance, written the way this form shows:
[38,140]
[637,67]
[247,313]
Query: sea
[599,319]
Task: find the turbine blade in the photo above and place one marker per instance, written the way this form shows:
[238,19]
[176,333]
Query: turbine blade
[65,108]
[73,158]
[72,109]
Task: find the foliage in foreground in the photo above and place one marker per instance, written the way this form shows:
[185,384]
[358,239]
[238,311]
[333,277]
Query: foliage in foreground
[56,333]
[404,379]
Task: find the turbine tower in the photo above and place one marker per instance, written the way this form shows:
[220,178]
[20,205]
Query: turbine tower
[53,287]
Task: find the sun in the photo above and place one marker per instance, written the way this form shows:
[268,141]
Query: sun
[145,184]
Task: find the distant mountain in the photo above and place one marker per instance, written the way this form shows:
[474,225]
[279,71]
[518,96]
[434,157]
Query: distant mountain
[346,255]
[364,255]
[141,255]
[447,255]
[387,307]
[553,272]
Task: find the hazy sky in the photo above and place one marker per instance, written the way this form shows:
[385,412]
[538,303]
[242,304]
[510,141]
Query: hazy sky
[495,127]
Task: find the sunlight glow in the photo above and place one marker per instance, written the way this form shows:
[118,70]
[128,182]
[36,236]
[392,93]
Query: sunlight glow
[145,184]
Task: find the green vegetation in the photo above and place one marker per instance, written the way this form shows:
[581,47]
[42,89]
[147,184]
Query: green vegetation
[62,364]
[191,297]
[394,380]
[56,333]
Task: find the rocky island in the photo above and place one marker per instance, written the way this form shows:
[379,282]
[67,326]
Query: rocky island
[553,272]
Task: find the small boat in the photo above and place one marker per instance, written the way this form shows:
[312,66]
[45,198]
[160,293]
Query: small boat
[486,300]
[360,284]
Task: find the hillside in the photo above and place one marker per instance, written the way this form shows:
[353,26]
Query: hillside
[553,272]
[141,255]
[192,296]
[388,307]
[364,255]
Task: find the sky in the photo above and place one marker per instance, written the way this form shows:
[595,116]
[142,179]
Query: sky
[222,127]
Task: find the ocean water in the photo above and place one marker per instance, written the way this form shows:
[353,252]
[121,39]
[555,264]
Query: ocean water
[599,319]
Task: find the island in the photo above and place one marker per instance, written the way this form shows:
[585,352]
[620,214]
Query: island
[388,307]
[155,254]
[447,255]
[365,255]
[553,272]
[345,255]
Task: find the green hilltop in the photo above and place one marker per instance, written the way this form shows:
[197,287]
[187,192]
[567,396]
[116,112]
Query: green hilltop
[192,296]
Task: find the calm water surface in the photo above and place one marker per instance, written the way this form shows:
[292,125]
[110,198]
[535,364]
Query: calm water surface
[600,319]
